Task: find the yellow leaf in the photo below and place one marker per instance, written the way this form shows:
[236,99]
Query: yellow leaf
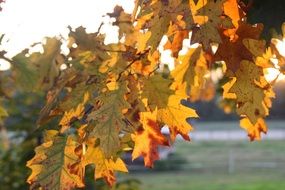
[142,41]
[226,87]
[264,60]
[73,114]
[184,72]
[208,32]
[104,168]
[175,115]
[256,47]
[249,96]
[254,130]
[199,19]
[192,72]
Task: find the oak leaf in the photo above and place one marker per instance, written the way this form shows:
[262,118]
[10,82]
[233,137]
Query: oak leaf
[26,75]
[148,138]
[192,72]
[207,32]
[232,10]
[256,47]
[156,90]
[73,114]
[104,167]
[175,42]
[254,130]
[52,165]
[233,52]
[175,115]
[108,119]
[249,96]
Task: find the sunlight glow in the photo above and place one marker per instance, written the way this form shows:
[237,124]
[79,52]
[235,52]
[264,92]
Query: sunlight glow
[214,47]
[187,45]
[280,45]
[63,67]
[4,65]
[272,74]
[166,56]
[29,21]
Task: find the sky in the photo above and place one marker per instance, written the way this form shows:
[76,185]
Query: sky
[25,22]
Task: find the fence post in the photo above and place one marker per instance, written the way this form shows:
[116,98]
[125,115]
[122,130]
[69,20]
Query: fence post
[231,162]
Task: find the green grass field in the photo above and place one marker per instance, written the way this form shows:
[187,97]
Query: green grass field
[211,181]
[237,165]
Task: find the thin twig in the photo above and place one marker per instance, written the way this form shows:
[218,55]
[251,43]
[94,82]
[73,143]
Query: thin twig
[99,28]
[133,61]
[2,56]
[157,67]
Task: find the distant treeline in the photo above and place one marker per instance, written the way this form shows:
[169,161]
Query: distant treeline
[210,111]
[268,12]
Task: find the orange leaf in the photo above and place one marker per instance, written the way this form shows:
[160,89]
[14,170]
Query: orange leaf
[233,52]
[148,138]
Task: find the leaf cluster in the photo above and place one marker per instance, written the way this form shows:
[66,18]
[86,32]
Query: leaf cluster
[107,99]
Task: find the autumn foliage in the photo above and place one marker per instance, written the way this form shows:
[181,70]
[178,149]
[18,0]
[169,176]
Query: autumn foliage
[113,98]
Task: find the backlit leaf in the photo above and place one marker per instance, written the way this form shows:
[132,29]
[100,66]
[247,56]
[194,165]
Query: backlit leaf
[156,90]
[254,131]
[104,168]
[52,165]
[148,138]
[108,119]
[175,115]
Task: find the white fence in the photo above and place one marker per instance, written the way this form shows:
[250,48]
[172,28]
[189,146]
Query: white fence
[222,135]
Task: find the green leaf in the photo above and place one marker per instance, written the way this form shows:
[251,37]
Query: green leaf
[3,113]
[38,71]
[156,90]
[109,117]
[26,75]
[48,63]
